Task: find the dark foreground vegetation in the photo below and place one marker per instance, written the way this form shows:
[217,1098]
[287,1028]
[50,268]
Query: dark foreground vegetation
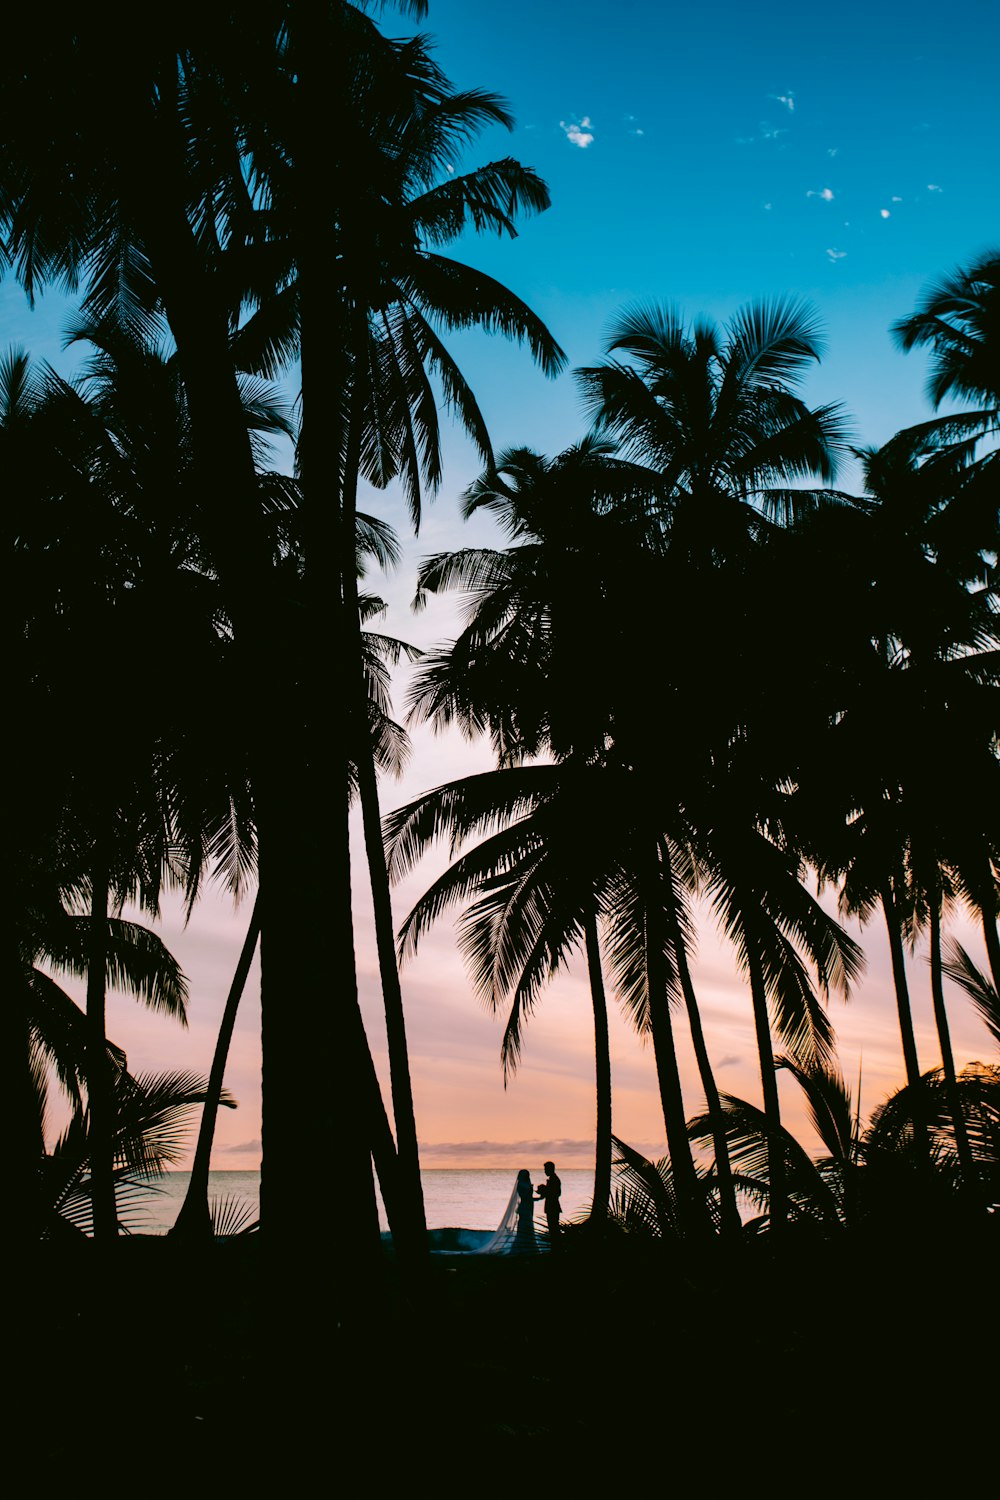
[872,1362]
[714,683]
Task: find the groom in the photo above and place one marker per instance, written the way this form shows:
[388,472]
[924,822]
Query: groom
[549,1190]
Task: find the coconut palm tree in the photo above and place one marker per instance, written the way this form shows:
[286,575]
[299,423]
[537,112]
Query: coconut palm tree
[216,113]
[958,320]
[534,884]
[867,1174]
[715,415]
[540,666]
[398,123]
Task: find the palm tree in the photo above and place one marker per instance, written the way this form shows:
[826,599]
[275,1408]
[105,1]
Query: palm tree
[915,673]
[958,319]
[216,113]
[867,1174]
[114,478]
[401,123]
[714,414]
[540,665]
[536,890]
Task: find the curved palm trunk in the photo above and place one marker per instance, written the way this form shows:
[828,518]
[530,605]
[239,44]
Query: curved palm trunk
[602,1068]
[410,1229]
[731,1222]
[768,1084]
[970,1175]
[411,1226]
[100,1133]
[194,1220]
[690,1198]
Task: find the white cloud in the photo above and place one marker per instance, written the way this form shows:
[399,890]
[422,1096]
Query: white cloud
[788,100]
[449,169]
[832,150]
[771,132]
[578,133]
[884,213]
[767,205]
[825,193]
[932,187]
[895,198]
[836,255]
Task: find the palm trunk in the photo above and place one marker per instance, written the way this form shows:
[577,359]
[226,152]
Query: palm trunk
[769,1086]
[905,1015]
[970,1176]
[194,1220]
[100,1133]
[411,1224]
[602,1059]
[690,1199]
[331,654]
[903,1007]
[731,1222]
[302,841]
[991,936]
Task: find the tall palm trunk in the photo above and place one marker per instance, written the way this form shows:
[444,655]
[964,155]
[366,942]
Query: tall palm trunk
[293,861]
[731,1222]
[99,1084]
[690,1198]
[326,670]
[905,1014]
[970,1176]
[602,1068]
[194,1220]
[768,1081]
[410,1230]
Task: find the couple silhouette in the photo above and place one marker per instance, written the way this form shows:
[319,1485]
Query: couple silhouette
[522,1208]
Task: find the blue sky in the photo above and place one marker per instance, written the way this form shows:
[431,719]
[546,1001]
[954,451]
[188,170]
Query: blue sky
[709,155]
[701,156]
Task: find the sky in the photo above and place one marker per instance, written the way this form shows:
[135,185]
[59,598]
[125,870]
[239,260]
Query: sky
[702,157]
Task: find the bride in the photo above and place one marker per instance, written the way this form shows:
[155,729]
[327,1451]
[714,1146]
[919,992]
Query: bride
[515,1234]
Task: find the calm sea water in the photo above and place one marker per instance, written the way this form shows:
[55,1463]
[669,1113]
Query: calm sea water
[454,1198]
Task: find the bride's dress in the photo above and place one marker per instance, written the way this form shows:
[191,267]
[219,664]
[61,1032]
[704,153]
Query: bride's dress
[515,1234]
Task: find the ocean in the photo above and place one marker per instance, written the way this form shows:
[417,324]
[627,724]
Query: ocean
[459,1198]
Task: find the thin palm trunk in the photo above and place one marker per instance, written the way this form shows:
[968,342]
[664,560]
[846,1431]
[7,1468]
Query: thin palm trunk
[690,1199]
[602,1068]
[411,1224]
[731,1222]
[991,934]
[768,1082]
[194,1220]
[967,1163]
[100,1130]
[905,1014]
